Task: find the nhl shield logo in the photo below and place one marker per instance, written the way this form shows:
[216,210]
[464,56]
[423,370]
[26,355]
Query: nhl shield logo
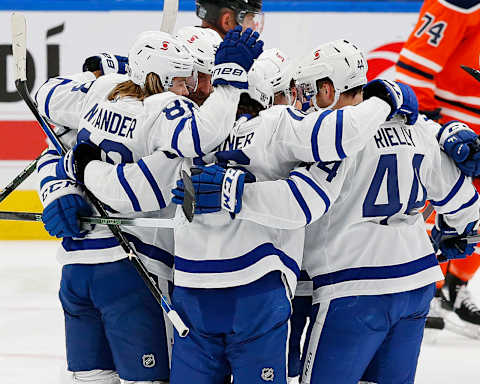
[268,374]
[148,360]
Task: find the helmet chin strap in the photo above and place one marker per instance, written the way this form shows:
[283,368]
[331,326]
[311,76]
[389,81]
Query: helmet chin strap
[335,101]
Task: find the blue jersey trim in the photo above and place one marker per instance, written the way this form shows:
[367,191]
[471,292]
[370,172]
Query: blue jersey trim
[45,163]
[127,188]
[315,187]
[50,94]
[52,152]
[235,264]
[189,5]
[176,133]
[300,200]
[466,205]
[452,193]
[376,273]
[47,179]
[295,116]
[315,130]
[153,183]
[71,245]
[339,135]
[195,135]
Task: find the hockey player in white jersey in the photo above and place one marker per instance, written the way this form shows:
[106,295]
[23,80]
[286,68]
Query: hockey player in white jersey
[372,263]
[292,128]
[250,270]
[113,324]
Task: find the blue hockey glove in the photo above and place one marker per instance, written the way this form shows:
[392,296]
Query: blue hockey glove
[400,97]
[235,56]
[215,188]
[60,217]
[106,63]
[452,247]
[460,143]
[72,164]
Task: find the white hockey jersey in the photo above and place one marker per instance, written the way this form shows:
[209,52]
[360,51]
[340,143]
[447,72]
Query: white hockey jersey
[217,251]
[372,239]
[128,130]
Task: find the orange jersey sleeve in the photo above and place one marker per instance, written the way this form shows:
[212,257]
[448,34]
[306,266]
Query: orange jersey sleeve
[439,31]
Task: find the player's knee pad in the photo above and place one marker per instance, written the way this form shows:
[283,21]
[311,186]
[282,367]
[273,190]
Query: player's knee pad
[96,376]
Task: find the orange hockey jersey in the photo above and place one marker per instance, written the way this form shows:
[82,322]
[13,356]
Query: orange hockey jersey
[446,36]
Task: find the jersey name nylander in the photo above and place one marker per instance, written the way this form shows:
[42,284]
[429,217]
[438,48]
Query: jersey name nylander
[111,122]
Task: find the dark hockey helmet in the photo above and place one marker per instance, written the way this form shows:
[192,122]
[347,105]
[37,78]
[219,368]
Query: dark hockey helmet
[209,10]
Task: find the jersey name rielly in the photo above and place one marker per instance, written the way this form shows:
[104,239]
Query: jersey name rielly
[393,136]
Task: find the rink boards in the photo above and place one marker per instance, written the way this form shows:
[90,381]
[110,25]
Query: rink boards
[59,40]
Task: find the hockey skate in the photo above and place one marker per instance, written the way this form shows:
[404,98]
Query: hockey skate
[461,314]
[435,319]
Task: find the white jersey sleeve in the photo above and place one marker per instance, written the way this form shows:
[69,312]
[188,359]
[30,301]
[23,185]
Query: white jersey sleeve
[141,186]
[297,201]
[61,99]
[330,135]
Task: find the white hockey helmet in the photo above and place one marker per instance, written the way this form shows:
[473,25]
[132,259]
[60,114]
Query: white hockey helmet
[260,87]
[278,70]
[162,54]
[340,61]
[202,43]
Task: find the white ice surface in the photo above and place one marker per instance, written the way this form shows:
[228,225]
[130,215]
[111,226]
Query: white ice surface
[32,346]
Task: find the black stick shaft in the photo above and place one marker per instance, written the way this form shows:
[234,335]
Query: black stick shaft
[19,179]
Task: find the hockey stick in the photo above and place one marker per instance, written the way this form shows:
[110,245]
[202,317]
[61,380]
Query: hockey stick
[427,212]
[148,222]
[19,54]
[169,16]
[19,179]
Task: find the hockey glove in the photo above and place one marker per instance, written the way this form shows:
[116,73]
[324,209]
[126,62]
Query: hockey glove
[216,188]
[60,217]
[106,64]
[460,143]
[400,97]
[449,242]
[235,56]
[72,164]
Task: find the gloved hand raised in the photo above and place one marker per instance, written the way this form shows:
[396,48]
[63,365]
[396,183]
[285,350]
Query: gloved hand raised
[460,143]
[400,97]
[235,56]
[106,63]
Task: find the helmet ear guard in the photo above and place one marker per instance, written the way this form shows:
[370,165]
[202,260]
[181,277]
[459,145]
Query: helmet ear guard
[259,88]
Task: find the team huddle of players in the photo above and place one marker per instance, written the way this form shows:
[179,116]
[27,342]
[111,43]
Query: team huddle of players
[302,172]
